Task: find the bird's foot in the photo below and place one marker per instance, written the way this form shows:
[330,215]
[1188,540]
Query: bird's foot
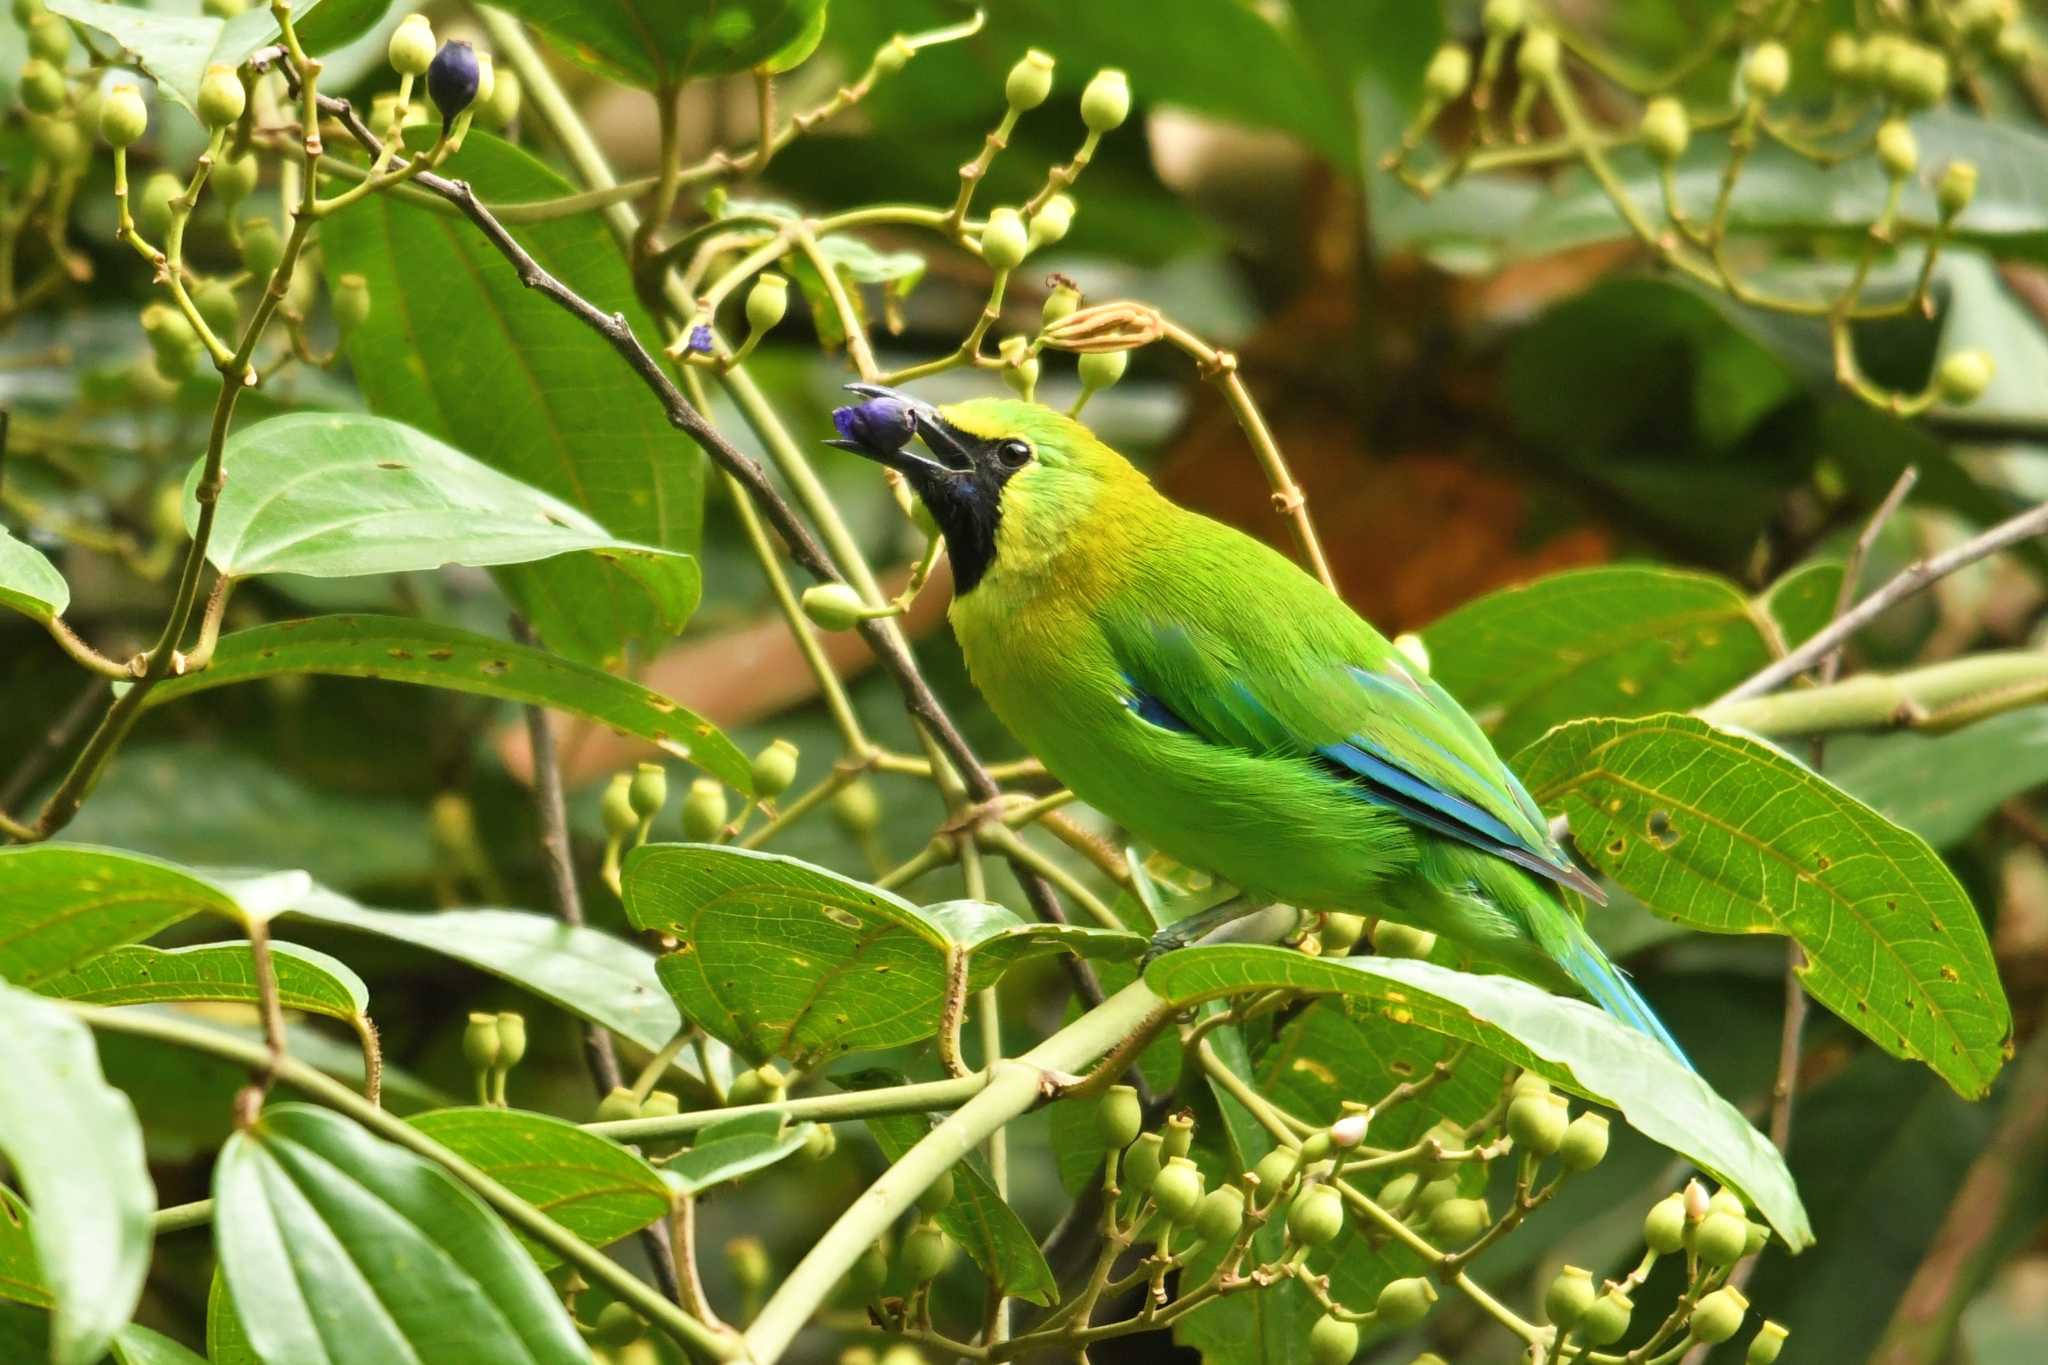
[1183,932]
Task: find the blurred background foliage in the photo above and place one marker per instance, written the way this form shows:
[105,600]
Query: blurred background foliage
[1474,390]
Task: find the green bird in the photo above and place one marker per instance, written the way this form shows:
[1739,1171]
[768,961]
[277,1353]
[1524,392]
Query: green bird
[1221,704]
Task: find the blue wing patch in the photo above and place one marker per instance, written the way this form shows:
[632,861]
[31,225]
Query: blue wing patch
[1153,711]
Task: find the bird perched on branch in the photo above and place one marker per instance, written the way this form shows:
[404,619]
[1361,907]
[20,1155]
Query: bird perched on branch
[1200,689]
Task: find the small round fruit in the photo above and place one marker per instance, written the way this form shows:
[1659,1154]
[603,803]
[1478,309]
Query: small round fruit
[1119,1115]
[1106,102]
[1898,151]
[351,301]
[1220,1215]
[1332,1341]
[617,1325]
[1664,1226]
[616,807]
[1606,1322]
[511,1038]
[43,87]
[1178,1190]
[1447,75]
[1765,1345]
[1963,376]
[1570,1295]
[1316,1216]
[480,1042]
[1395,1194]
[649,789]
[1275,1169]
[1178,1133]
[1143,1162]
[1767,70]
[774,769]
[124,118]
[1029,81]
[234,178]
[1458,1221]
[1341,933]
[1718,1316]
[1005,241]
[1585,1143]
[221,97]
[153,206]
[1666,129]
[619,1105]
[938,1194]
[1403,1303]
[1101,369]
[925,1253]
[705,811]
[834,606]
[857,808]
[412,46]
[262,248]
[1538,1123]
[767,301]
[1390,939]
[1719,1240]
[1957,186]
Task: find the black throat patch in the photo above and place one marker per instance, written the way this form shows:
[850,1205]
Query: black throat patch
[968,507]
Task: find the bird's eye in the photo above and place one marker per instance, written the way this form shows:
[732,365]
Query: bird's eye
[1013,454]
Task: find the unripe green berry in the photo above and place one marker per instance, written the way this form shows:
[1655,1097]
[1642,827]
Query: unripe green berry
[1765,1345]
[937,1195]
[1664,1226]
[1963,376]
[1029,81]
[857,808]
[925,1253]
[1101,369]
[1341,933]
[705,811]
[503,105]
[1106,102]
[43,87]
[480,1042]
[1022,377]
[1537,1123]
[1530,1083]
[153,206]
[1060,301]
[1220,1215]
[660,1104]
[1178,1190]
[1434,1194]
[58,142]
[1916,75]
[746,1088]
[412,46]
[617,1325]
[1405,1302]
[1666,129]
[1756,1238]
[1843,59]
[1119,1116]
[1004,239]
[1275,1169]
[1051,223]
[234,178]
[821,1142]
[1458,1221]
[1142,1163]
[617,807]
[868,1274]
[1955,189]
[893,56]
[649,789]
[486,79]
[1539,57]
[49,37]
[1316,1216]
[511,1039]
[1718,1316]
[1447,75]
[221,97]
[1313,1148]
[216,303]
[1178,1134]
[351,301]
[165,326]
[1390,939]
[767,301]
[1606,1322]
[262,248]
[834,606]
[1719,1239]
[1569,1296]
[1727,1201]
[1898,151]
[621,1104]
[124,117]
[774,769]
[1585,1143]
[1395,1194]
[1502,18]
[1767,70]
[1332,1341]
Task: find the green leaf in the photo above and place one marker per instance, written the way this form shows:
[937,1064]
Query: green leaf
[588,973]
[342,1249]
[777,957]
[1723,833]
[655,44]
[341,495]
[1622,641]
[29,582]
[176,49]
[1803,601]
[137,974]
[62,905]
[137,1345]
[597,1189]
[979,1219]
[400,649]
[227,1341]
[76,1148]
[726,1151]
[456,347]
[21,1274]
[1943,786]
[336,24]
[1569,1042]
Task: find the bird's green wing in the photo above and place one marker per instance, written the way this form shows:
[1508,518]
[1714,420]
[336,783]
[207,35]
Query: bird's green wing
[1310,681]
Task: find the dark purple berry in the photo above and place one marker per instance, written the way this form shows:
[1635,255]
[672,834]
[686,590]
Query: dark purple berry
[452,79]
[880,424]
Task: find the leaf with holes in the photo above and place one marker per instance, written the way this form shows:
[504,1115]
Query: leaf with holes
[342,1249]
[74,1144]
[1723,833]
[588,973]
[655,44]
[1621,641]
[597,1189]
[339,495]
[137,974]
[1568,1042]
[401,649]
[776,957]
[29,583]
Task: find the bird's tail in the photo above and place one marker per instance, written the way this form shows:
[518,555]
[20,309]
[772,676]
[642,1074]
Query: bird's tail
[1572,948]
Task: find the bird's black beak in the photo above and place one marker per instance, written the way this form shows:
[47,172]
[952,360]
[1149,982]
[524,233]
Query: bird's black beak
[882,428]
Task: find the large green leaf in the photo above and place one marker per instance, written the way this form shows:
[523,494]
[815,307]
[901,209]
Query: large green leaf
[401,649]
[457,347]
[658,43]
[597,1189]
[978,1218]
[1723,833]
[777,957]
[1622,641]
[21,1274]
[29,583]
[137,974]
[76,1148]
[340,1247]
[340,495]
[137,1345]
[588,973]
[1571,1043]
[227,1341]
[176,49]
[737,1147]
[64,904]
[1944,786]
